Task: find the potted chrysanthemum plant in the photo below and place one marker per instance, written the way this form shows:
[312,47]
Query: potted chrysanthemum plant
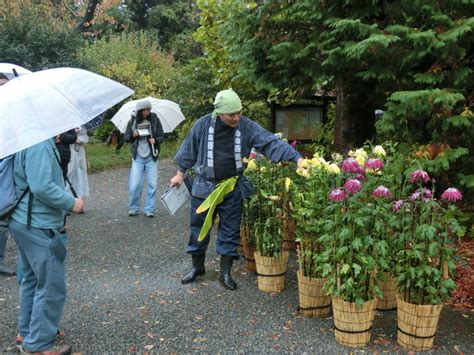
[425,264]
[270,259]
[315,178]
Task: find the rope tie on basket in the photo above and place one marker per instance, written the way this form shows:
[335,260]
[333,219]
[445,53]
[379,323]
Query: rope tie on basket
[417,336]
[270,275]
[249,259]
[311,308]
[353,331]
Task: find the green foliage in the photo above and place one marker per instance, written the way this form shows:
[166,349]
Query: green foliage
[36,39]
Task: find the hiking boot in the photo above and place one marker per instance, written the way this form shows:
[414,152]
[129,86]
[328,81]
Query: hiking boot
[224,277]
[197,270]
[56,350]
[6,271]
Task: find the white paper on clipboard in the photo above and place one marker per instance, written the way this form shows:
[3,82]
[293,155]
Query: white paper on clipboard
[175,197]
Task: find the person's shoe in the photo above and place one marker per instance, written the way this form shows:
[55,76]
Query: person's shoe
[19,340]
[6,271]
[149,214]
[224,277]
[56,350]
[197,270]
[133,213]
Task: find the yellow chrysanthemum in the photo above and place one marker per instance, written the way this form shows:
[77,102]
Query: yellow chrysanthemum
[288,183]
[302,172]
[305,163]
[360,156]
[333,169]
[251,165]
[379,151]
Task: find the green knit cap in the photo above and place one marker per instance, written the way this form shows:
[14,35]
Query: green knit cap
[226,101]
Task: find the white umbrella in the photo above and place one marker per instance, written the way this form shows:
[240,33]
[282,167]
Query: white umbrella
[43,104]
[7,69]
[168,112]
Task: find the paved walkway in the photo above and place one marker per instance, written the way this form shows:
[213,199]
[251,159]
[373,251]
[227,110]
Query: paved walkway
[124,292]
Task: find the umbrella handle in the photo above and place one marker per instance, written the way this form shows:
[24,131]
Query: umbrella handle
[155,151]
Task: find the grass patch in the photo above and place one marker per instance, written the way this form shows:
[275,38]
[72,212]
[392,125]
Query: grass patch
[103,157]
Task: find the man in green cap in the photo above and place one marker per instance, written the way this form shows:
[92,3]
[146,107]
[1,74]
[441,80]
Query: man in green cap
[215,148]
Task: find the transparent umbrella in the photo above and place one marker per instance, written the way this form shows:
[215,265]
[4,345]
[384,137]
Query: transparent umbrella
[7,69]
[43,104]
[168,112]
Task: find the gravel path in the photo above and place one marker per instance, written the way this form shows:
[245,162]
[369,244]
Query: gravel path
[124,292]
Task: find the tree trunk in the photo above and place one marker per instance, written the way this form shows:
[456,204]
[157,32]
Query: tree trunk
[89,16]
[355,118]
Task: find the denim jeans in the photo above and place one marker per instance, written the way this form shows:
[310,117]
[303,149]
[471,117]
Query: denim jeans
[141,167]
[3,238]
[228,231]
[43,287]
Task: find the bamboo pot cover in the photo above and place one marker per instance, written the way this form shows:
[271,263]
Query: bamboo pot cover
[390,290]
[289,231]
[352,325]
[314,302]
[417,324]
[248,255]
[271,272]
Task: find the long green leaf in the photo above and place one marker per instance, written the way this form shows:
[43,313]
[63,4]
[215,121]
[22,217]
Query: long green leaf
[211,202]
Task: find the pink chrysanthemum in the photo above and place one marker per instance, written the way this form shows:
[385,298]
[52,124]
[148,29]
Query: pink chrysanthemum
[382,191]
[414,196]
[452,195]
[360,177]
[419,176]
[253,155]
[427,194]
[337,195]
[352,186]
[374,163]
[397,205]
[351,166]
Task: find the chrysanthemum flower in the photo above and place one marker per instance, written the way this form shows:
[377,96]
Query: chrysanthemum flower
[333,169]
[360,177]
[427,194]
[374,164]
[379,151]
[414,196]
[251,165]
[382,191]
[351,166]
[352,186]
[419,176]
[337,195]
[303,172]
[397,205]
[452,195]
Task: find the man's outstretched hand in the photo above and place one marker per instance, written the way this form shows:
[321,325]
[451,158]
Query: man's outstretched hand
[177,180]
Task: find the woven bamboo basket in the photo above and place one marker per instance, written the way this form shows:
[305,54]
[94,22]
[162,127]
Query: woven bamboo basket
[271,272]
[417,324]
[352,324]
[390,290]
[289,228]
[313,300]
[249,251]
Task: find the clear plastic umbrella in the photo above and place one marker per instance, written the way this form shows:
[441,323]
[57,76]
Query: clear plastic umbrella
[168,112]
[7,69]
[43,104]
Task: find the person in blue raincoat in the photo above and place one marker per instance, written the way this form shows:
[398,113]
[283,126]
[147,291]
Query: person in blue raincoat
[215,147]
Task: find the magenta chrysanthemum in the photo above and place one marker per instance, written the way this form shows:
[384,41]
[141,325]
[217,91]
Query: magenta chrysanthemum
[351,166]
[352,186]
[397,205]
[419,176]
[452,195]
[374,163]
[427,194]
[360,177]
[337,195]
[382,191]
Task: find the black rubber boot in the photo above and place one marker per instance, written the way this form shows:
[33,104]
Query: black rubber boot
[197,270]
[224,276]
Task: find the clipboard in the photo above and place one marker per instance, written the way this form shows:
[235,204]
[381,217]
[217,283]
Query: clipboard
[175,197]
